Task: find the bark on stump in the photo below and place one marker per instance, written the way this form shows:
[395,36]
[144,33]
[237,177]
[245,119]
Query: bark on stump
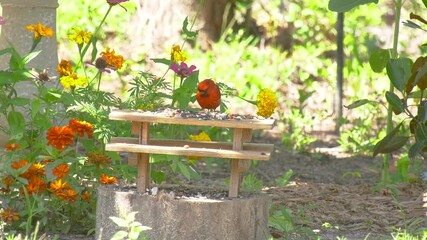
[244,218]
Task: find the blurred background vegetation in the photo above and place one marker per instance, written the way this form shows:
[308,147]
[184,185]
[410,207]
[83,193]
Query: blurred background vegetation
[287,46]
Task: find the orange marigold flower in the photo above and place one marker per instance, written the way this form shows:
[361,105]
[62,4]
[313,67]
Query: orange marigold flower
[35,185]
[8,215]
[12,146]
[58,185]
[112,59]
[65,68]
[40,30]
[81,127]
[86,196]
[61,170]
[60,137]
[8,181]
[67,194]
[35,170]
[98,159]
[107,180]
[19,164]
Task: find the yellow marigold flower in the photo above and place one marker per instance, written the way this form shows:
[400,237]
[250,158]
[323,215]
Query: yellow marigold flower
[266,103]
[65,68]
[72,81]
[202,136]
[177,55]
[58,185]
[86,196]
[98,159]
[81,127]
[107,179]
[79,36]
[60,137]
[12,146]
[61,170]
[8,215]
[40,30]
[113,60]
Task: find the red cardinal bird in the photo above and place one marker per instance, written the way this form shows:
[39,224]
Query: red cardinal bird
[208,95]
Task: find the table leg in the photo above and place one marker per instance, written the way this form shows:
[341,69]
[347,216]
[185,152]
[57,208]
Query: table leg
[235,173]
[143,177]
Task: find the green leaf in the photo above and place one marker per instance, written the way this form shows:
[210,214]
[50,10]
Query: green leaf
[119,235]
[425,3]
[402,168]
[163,61]
[94,49]
[30,56]
[346,5]
[16,123]
[186,31]
[415,149]
[394,101]
[19,101]
[358,103]
[184,170]
[390,142]
[158,176]
[9,77]
[399,70]
[119,221]
[184,94]
[36,105]
[378,59]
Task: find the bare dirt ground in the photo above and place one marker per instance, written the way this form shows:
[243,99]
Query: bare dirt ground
[333,191]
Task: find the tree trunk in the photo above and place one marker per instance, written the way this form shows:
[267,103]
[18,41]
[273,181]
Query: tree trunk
[159,23]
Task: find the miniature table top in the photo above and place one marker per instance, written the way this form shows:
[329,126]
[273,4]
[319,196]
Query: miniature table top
[194,118]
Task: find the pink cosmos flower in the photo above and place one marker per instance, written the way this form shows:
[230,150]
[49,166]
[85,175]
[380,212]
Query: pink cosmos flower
[183,70]
[115,2]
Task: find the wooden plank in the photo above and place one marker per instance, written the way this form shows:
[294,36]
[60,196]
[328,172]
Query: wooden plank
[152,117]
[235,173]
[143,177]
[261,147]
[188,151]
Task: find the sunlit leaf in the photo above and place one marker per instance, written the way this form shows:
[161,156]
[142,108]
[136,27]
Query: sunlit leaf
[119,221]
[378,59]
[119,235]
[163,61]
[346,5]
[399,71]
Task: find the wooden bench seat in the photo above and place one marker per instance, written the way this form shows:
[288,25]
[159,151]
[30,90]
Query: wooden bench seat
[250,151]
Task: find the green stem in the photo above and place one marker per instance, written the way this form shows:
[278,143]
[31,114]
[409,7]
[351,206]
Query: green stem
[94,34]
[183,44]
[394,55]
[99,80]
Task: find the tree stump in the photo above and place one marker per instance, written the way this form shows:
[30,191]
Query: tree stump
[244,218]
